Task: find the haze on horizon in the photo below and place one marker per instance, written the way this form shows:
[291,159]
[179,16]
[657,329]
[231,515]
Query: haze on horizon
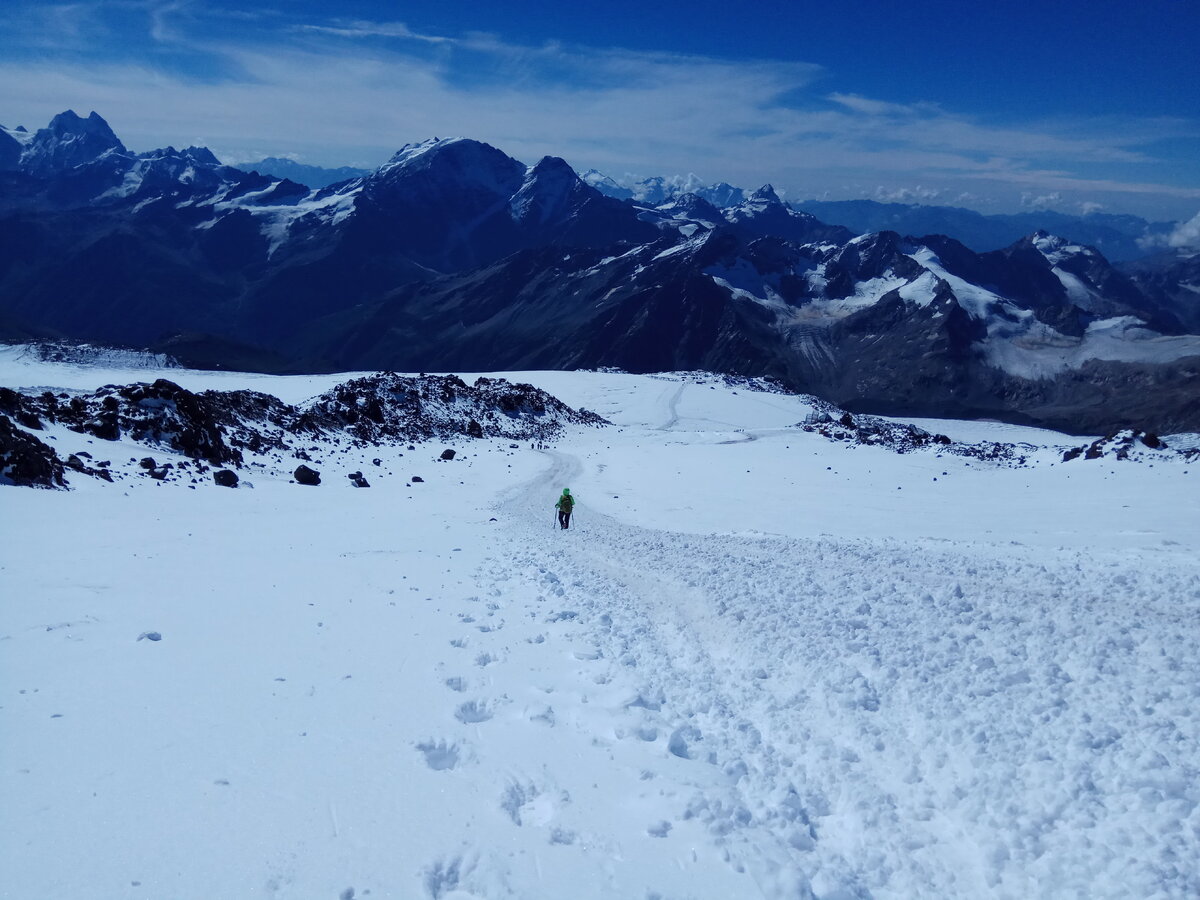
[1095,107]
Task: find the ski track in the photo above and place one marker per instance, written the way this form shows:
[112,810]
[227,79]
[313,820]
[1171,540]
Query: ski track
[853,718]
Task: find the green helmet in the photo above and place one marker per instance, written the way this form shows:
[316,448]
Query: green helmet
[566,490]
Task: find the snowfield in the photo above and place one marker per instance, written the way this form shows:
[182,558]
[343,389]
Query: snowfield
[762,663]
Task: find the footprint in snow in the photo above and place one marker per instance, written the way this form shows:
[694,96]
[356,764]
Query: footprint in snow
[473,711]
[456,684]
[439,755]
[660,829]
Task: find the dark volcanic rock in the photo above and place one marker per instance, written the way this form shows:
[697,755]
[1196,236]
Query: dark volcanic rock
[305,475]
[226,478]
[214,426]
[390,408]
[448,453]
[1126,444]
[905,438]
[218,427]
[26,461]
[358,480]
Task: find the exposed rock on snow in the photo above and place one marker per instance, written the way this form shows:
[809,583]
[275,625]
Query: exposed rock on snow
[226,478]
[306,475]
[224,428]
[25,460]
[905,438]
[1126,445]
[388,408]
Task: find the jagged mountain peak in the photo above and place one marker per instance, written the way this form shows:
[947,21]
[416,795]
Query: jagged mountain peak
[1055,248]
[765,194]
[70,122]
[69,141]
[202,155]
[606,185]
[547,192]
[692,206]
[554,165]
[197,155]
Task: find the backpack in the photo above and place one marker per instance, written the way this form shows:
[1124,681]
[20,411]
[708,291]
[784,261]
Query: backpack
[566,503]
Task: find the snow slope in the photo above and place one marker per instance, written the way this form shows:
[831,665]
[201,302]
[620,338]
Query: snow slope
[762,664]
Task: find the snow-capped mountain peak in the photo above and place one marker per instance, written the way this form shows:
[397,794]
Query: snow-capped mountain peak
[765,195]
[1055,249]
[547,191]
[69,141]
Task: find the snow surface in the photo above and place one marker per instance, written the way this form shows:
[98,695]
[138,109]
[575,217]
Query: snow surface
[761,664]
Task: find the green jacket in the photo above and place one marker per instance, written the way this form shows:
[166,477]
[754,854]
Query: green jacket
[566,503]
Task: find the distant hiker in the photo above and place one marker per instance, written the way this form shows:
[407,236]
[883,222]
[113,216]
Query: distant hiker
[565,504]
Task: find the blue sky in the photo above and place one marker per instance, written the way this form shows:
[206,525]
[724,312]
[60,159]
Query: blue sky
[999,106]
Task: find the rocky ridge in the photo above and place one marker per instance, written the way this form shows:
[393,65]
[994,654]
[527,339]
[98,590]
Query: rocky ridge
[229,430]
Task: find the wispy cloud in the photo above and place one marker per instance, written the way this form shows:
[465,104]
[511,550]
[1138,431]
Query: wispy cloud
[364,28]
[353,90]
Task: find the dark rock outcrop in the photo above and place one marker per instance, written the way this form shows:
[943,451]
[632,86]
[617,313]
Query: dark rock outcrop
[27,461]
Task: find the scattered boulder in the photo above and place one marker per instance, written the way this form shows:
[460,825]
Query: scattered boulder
[357,479]
[305,475]
[149,636]
[226,478]
[448,454]
[417,479]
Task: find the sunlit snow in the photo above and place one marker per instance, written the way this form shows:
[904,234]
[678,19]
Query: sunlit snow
[760,664]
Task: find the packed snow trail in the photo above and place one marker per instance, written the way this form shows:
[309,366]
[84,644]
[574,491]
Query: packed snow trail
[887,718]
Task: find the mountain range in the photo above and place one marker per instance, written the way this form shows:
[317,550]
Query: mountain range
[455,256]
[1118,237]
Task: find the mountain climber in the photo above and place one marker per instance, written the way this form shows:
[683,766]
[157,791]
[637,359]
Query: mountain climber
[565,504]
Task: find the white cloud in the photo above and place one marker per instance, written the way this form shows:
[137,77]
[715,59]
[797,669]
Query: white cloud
[916,194]
[1044,201]
[1186,235]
